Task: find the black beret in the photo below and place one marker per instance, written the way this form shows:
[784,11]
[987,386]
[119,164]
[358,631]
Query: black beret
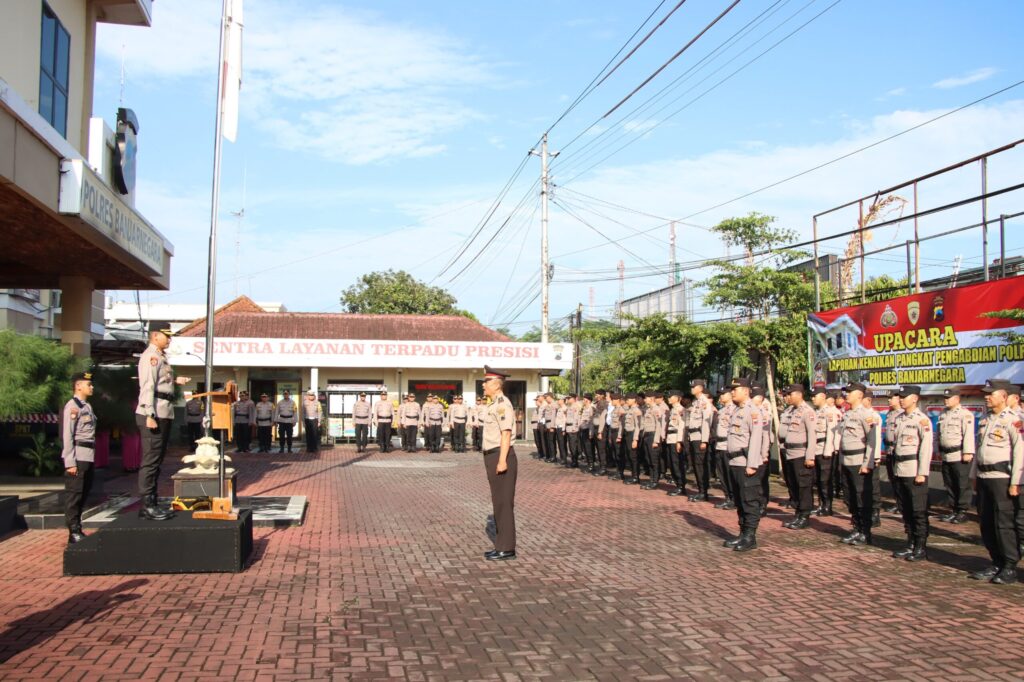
[588,396]
[81,376]
[909,390]
[490,372]
[993,385]
[856,386]
[819,390]
[699,382]
[756,390]
[740,382]
[952,391]
[794,388]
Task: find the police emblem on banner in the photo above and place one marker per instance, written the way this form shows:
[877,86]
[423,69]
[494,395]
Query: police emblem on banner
[888,318]
[913,312]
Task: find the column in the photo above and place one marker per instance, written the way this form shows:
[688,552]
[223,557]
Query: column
[76,314]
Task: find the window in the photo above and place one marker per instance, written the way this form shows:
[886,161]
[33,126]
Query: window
[54,63]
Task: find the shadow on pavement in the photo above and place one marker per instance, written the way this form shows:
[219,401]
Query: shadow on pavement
[314,474]
[39,626]
[705,524]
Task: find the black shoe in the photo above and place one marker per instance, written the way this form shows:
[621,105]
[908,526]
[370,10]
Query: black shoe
[489,553]
[788,504]
[651,485]
[76,536]
[615,477]
[984,574]
[860,539]
[876,520]
[849,539]
[732,542]
[828,509]
[764,511]
[918,554]
[1007,576]
[892,509]
[958,518]
[676,492]
[693,498]
[597,472]
[729,504]
[722,504]
[630,481]
[905,552]
[502,556]
[748,541]
[155,513]
[799,523]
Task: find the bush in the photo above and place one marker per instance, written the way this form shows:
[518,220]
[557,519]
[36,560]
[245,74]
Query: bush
[35,375]
[43,456]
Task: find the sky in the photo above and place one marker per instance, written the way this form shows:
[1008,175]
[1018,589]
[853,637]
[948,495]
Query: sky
[377,135]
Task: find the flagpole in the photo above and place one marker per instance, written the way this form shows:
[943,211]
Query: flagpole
[211,274]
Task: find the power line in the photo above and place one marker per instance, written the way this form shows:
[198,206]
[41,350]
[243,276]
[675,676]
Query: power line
[706,92]
[603,235]
[672,58]
[619,130]
[592,85]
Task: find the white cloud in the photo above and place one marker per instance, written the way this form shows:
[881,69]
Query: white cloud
[975,76]
[639,125]
[896,92]
[346,86]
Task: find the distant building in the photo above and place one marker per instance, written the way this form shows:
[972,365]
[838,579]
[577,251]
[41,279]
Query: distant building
[130,321]
[671,301]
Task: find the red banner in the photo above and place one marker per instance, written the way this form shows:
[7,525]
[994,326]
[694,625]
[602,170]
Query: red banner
[934,339]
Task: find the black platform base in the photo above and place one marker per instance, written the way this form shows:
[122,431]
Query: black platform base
[9,514]
[130,545]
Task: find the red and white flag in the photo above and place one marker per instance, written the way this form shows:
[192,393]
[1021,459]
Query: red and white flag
[231,69]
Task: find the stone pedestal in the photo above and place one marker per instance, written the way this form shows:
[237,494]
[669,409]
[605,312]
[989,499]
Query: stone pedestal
[204,485]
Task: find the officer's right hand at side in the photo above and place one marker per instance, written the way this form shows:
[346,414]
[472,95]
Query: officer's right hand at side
[151,423]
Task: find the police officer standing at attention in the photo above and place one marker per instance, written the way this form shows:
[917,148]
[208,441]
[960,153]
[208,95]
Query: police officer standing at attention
[746,433]
[891,419]
[996,474]
[383,415]
[433,419]
[284,417]
[698,435]
[194,409]
[312,413]
[586,427]
[631,438]
[859,445]
[572,431]
[78,428]
[458,417]
[912,456]
[798,440]
[361,421]
[500,464]
[956,447]
[243,414]
[826,447]
[675,429]
[264,410]
[720,431]
[410,419]
[153,416]
[598,426]
[651,427]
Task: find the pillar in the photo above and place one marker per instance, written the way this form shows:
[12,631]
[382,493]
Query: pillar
[76,314]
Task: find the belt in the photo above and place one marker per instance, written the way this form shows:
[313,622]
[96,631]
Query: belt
[904,458]
[796,446]
[459,421]
[1001,467]
[737,453]
[821,440]
[165,396]
[947,450]
[263,421]
[673,431]
[492,451]
[696,430]
[852,453]
[86,443]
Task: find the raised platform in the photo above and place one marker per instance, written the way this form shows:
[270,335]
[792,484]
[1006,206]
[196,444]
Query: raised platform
[203,485]
[267,512]
[130,545]
[9,514]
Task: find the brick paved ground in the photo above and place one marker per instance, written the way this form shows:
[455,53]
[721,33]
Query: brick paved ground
[386,579]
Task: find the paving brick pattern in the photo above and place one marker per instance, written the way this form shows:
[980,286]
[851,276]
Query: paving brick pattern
[386,580]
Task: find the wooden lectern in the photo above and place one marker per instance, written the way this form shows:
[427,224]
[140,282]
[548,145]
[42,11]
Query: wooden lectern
[220,419]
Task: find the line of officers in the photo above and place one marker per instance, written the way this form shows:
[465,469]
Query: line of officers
[262,417]
[831,445]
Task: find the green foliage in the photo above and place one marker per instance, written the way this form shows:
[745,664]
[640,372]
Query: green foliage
[398,293]
[35,374]
[1016,314]
[881,288]
[115,391]
[43,456]
[559,385]
[753,232]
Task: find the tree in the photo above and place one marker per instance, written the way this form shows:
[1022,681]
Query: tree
[35,375]
[775,302]
[1016,314]
[398,293]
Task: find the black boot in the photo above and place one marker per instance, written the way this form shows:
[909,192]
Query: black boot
[828,508]
[677,492]
[918,553]
[906,551]
[75,535]
[876,519]
[801,521]
[732,542]
[151,512]
[748,541]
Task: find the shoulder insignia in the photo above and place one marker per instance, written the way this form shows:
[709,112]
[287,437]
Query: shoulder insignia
[74,412]
[1017,424]
[925,422]
[154,360]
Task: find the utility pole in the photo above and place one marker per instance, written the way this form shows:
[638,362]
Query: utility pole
[672,270]
[545,267]
[577,358]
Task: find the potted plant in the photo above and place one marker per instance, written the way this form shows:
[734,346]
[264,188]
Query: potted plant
[43,456]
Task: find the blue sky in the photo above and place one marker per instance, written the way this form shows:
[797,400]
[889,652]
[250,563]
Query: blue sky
[375,134]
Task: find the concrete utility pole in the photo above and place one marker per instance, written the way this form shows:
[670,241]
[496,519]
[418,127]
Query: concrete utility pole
[545,266]
[672,270]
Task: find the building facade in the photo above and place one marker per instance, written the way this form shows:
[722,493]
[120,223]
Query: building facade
[68,226]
